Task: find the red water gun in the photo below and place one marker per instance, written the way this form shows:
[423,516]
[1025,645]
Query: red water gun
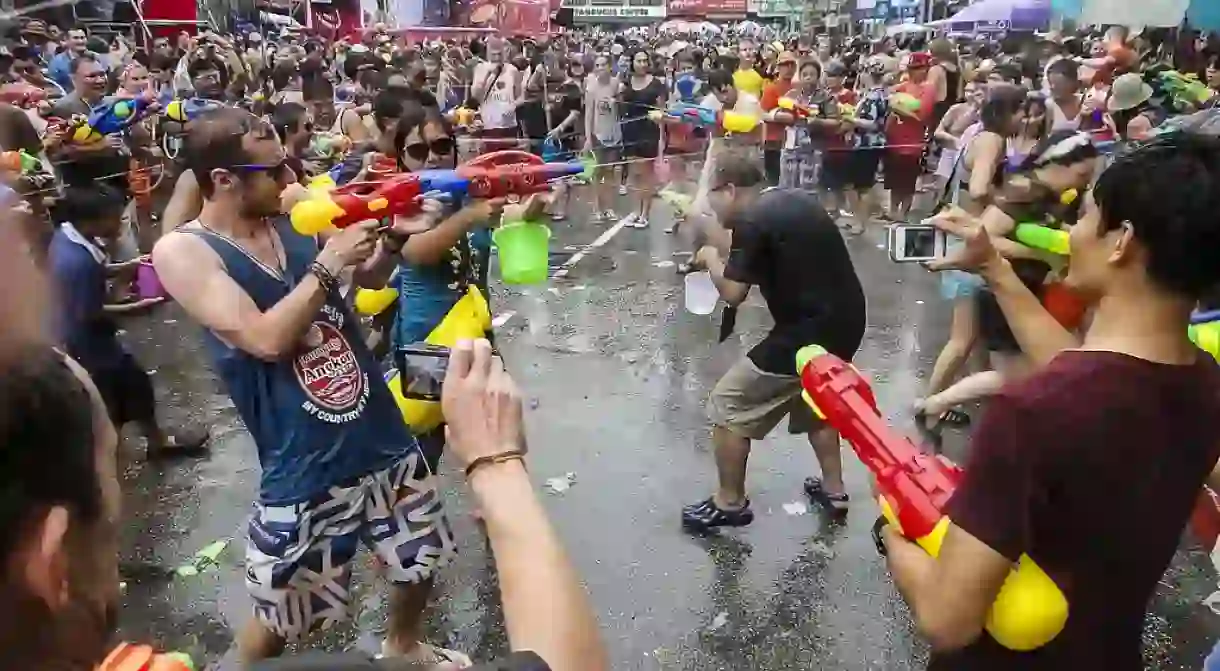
[498,174]
[913,488]
[23,95]
[131,657]
[343,206]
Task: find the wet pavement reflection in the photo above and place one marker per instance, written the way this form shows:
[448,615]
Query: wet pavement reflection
[615,374]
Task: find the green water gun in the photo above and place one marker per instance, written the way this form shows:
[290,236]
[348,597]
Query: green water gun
[1185,88]
[20,162]
[1044,238]
[1206,336]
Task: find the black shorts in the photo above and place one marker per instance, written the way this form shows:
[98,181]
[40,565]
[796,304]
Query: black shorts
[994,330]
[902,172]
[127,391]
[641,148]
[854,169]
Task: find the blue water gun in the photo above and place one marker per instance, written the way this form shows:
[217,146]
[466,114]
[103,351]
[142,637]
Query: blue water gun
[708,118]
[111,117]
[687,86]
[183,111]
[703,117]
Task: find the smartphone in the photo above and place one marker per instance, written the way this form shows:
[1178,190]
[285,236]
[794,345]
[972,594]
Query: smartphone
[916,242]
[421,370]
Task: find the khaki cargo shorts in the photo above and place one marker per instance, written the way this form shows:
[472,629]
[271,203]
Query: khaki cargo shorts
[750,402]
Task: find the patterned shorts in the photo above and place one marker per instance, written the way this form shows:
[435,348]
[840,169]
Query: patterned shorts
[298,557]
[800,169]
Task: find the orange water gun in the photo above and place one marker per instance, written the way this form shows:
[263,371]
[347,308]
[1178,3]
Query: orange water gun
[914,487]
[132,657]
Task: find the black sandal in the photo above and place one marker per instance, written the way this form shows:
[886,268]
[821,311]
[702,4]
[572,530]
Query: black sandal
[706,515]
[835,504]
[931,436]
[954,417]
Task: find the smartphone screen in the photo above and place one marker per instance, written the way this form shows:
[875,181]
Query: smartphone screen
[916,242]
[421,370]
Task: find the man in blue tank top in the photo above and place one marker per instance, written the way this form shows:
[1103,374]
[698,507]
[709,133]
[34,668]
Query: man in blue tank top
[339,467]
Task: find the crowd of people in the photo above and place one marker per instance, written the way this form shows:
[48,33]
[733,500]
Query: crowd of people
[1099,426]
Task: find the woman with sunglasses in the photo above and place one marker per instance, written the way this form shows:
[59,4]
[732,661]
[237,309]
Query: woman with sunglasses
[439,264]
[293,124]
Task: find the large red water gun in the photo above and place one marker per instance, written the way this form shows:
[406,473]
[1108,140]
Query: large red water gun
[913,488]
[340,207]
[499,174]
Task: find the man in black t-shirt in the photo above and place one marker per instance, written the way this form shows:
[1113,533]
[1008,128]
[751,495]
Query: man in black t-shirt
[785,243]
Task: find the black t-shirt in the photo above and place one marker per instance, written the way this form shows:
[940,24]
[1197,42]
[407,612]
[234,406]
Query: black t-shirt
[788,246]
[355,661]
[637,127]
[563,100]
[1091,467]
[531,117]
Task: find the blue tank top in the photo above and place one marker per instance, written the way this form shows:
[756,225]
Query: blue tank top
[322,416]
[427,293]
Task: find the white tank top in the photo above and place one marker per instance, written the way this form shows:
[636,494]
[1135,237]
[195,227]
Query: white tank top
[1059,120]
[603,99]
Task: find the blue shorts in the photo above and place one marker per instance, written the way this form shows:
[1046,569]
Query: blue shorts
[955,284]
[298,557]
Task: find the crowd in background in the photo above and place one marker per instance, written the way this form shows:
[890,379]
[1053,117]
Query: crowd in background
[934,123]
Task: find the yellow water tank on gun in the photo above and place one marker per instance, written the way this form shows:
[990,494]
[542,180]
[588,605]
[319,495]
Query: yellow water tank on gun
[469,319]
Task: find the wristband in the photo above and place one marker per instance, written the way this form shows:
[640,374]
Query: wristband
[328,281]
[880,524]
[503,457]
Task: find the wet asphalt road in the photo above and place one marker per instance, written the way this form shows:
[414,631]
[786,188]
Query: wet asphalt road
[615,374]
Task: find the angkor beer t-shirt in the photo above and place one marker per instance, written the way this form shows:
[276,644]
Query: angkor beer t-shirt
[1091,467]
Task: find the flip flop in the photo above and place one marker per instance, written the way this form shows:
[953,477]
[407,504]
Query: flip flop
[192,447]
[442,659]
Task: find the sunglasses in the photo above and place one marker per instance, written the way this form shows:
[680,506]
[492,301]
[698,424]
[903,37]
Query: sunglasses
[441,146]
[273,170]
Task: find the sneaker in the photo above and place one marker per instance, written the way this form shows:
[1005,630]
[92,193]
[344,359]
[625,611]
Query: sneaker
[629,220]
[609,215]
[706,515]
[622,189]
[638,221]
[835,503]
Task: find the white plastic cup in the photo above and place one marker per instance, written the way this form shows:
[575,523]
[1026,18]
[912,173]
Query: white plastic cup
[701,293]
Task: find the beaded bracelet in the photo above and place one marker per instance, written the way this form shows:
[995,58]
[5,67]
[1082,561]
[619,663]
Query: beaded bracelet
[328,281]
[511,455]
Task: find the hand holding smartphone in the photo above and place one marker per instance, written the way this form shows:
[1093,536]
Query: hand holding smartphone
[912,243]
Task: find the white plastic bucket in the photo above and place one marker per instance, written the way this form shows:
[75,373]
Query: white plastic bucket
[701,293]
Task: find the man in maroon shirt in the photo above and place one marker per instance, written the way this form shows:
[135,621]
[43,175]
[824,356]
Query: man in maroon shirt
[1092,465]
